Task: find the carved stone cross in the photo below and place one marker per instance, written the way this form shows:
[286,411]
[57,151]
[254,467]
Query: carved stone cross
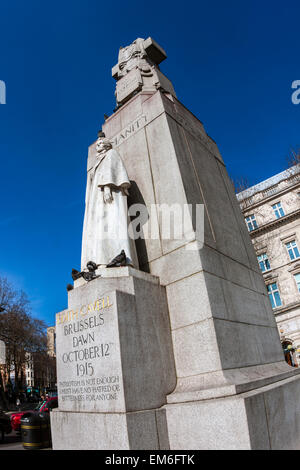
[138,69]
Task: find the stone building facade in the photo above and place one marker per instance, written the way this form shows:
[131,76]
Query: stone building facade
[46,377]
[29,370]
[272,215]
[51,340]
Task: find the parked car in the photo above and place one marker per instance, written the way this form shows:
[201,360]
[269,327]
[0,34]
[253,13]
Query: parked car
[5,425]
[45,406]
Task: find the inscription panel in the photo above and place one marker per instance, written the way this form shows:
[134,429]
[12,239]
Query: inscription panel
[89,373]
[128,85]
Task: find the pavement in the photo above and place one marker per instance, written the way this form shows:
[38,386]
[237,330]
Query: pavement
[12,441]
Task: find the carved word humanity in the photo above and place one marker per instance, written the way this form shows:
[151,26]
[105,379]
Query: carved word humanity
[130,130]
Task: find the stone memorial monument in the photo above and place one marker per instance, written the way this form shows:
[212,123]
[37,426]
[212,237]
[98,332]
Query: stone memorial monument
[171,342]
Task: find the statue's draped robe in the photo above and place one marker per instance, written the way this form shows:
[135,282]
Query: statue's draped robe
[105,228]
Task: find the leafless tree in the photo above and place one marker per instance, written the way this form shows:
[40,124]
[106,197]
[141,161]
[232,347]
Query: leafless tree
[293,158]
[292,162]
[19,330]
[240,184]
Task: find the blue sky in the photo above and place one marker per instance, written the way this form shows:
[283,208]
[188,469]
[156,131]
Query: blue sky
[232,64]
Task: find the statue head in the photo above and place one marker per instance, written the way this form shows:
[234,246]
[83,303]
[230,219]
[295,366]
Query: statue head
[103,144]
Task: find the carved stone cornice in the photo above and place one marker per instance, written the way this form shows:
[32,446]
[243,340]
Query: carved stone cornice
[275,223]
[286,308]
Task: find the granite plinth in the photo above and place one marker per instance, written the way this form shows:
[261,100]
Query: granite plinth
[266,418]
[114,358]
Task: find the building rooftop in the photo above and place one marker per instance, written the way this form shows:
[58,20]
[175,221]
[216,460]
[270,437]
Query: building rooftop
[268,183]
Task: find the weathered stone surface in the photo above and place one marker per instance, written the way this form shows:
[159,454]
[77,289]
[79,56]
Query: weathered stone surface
[114,356]
[108,431]
[208,425]
[183,298]
[114,348]
[263,419]
[185,167]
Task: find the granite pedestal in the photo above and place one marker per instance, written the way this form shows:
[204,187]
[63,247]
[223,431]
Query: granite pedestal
[114,364]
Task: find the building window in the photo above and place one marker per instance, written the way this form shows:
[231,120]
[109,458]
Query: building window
[274,295]
[263,262]
[279,212]
[251,222]
[293,250]
[297,279]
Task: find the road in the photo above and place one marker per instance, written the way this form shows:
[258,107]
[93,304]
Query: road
[12,441]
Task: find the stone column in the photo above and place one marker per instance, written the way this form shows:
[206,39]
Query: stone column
[219,311]
[225,338]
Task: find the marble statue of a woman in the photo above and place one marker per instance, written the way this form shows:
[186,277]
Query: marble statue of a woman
[105,228]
